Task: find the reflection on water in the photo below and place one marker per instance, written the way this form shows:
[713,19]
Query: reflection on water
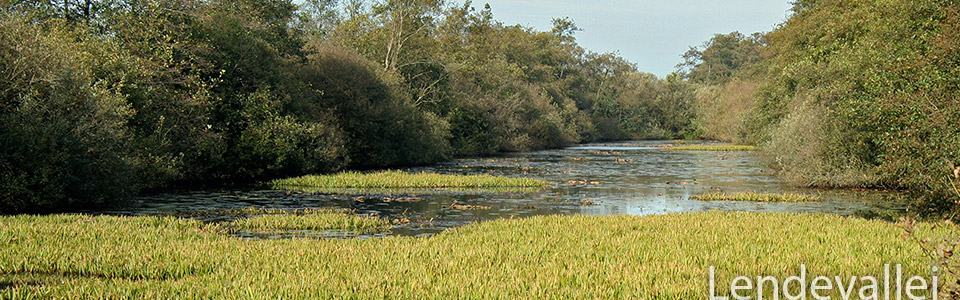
[634,178]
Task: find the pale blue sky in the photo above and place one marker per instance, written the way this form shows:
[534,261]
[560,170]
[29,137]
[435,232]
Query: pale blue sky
[651,33]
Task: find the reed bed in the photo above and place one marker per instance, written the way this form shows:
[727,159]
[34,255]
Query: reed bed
[715,148]
[400,179]
[756,197]
[319,219]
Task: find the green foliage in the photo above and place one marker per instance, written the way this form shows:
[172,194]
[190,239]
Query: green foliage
[237,91]
[282,146]
[722,111]
[880,91]
[382,128]
[844,93]
[62,130]
[646,107]
[472,131]
[722,57]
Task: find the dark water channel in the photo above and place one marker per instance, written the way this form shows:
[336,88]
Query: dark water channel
[635,178]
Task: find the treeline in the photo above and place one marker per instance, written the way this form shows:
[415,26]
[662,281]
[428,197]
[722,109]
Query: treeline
[845,93]
[100,99]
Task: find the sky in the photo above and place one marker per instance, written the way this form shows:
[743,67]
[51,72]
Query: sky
[651,33]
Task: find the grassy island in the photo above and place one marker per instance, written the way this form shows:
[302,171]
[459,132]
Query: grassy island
[757,197]
[715,148]
[400,179]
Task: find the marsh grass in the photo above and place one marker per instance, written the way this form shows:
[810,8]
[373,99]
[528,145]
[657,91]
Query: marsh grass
[255,211]
[309,219]
[400,179]
[271,220]
[714,148]
[610,257]
[389,192]
[757,197]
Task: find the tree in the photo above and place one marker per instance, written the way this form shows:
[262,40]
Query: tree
[718,59]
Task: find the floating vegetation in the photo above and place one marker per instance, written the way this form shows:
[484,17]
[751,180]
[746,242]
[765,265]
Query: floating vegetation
[607,152]
[400,179]
[524,168]
[714,148]
[576,257]
[623,160]
[758,197]
[386,199]
[587,202]
[584,182]
[464,206]
[401,199]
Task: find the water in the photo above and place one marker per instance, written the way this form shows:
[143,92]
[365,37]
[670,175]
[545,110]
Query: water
[635,178]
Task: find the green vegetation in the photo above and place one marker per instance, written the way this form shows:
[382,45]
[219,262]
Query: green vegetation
[843,94]
[400,179]
[758,197]
[309,220]
[412,191]
[715,148]
[257,219]
[664,256]
[102,98]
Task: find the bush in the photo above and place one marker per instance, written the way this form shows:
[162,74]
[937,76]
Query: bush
[810,149]
[472,131]
[722,110]
[281,146]
[62,132]
[380,125]
[864,93]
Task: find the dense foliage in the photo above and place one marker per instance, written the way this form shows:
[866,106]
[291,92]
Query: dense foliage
[845,93]
[62,130]
[102,98]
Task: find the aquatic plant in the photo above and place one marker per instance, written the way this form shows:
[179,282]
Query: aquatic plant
[391,192]
[714,148]
[758,197]
[465,206]
[400,179]
[254,211]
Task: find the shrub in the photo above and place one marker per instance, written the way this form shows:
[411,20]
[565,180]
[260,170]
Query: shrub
[380,125]
[62,132]
[472,131]
[809,148]
[864,93]
[281,146]
[723,109]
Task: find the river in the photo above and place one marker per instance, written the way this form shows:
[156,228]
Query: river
[635,178]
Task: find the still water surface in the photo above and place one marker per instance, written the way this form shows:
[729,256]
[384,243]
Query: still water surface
[635,178]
